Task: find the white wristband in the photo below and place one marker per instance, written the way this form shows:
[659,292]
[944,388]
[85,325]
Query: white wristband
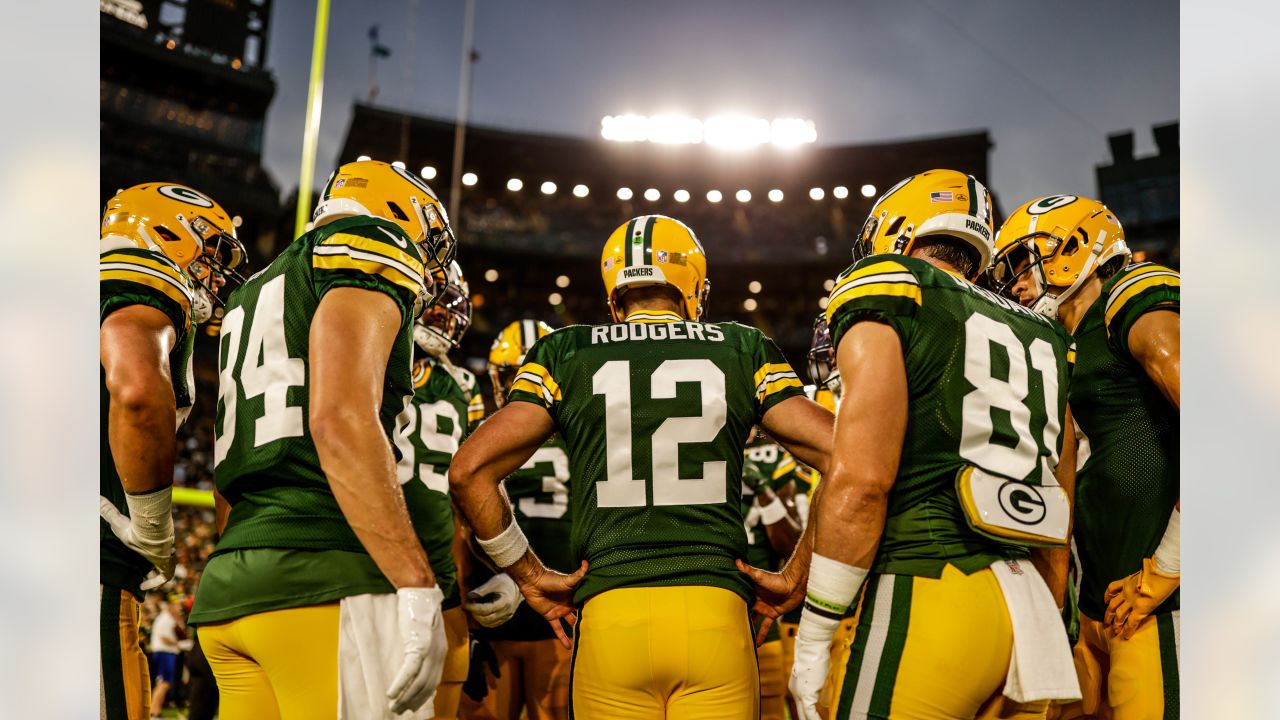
[1168,557]
[773,512]
[833,586]
[151,515]
[507,547]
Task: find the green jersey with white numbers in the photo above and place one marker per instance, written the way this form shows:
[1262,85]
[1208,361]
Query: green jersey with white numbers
[1129,484]
[987,387]
[130,276]
[265,463]
[655,413]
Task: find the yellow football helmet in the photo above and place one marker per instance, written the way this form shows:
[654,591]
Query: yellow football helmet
[441,326]
[370,187]
[1061,241]
[656,250]
[508,351]
[187,226]
[935,202]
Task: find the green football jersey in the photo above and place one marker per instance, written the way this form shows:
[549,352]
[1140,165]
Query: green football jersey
[987,387]
[766,464]
[265,463]
[655,413]
[1128,485]
[131,276]
[539,493]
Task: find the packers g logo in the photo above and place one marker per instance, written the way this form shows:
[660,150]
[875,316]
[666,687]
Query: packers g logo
[1053,202]
[186,195]
[1022,502]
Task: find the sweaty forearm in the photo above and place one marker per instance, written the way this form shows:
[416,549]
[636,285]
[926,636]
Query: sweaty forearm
[849,520]
[357,460]
[141,434]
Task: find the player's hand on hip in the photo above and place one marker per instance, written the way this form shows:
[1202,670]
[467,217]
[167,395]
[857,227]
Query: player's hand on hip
[422,634]
[550,593]
[495,601]
[158,550]
[777,593]
[1132,599]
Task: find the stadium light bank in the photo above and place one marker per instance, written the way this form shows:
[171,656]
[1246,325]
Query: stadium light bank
[724,131]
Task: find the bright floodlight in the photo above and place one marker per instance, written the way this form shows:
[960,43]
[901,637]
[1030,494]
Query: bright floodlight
[714,196]
[868,190]
[548,188]
[681,196]
[625,128]
[652,194]
[624,193]
[362,158]
[555,299]
[754,287]
[398,164]
[580,190]
[749,304]
[743,195]
[515,184]
[775,195]
[817,193]
[840,192]
[790,132]
[735,131]
[674,130]
[828,284]
[469,179]
[822,303]
[491,275]
[562,281]
[428,172]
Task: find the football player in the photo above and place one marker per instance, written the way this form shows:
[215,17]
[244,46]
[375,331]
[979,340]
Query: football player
[655,410]
[953,398]
[1066,257]
[165,252]
[531,667]
[428,433]
[320,599]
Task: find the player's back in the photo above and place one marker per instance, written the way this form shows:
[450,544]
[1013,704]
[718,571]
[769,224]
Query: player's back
[655,413]
[987,388]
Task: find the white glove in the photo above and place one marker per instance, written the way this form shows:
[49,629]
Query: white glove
[494,602]
[422,631]
[812,655]
[148,531]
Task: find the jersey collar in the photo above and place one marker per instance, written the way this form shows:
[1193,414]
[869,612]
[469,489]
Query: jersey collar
[653,316]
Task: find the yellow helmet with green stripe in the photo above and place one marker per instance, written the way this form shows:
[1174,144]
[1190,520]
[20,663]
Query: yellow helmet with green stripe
[506,355]
[656,250]
[933,203]
[1057,242]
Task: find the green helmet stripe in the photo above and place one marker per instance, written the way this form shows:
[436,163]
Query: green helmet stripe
[628,257]
[973,196]
[646,257]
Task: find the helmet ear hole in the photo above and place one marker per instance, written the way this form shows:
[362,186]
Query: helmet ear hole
[895,226]
[1072,245]
[396,211]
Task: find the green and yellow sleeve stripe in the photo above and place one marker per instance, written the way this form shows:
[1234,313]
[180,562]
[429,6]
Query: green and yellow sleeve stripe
[773,377]
[1139,280]
[345,251]
[148,269]
[536,379]
[788,465]
[885,279]
[475,409]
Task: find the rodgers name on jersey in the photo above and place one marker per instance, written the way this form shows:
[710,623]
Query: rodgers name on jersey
[1129,484]
[654,413]
[987,383]
[132,276]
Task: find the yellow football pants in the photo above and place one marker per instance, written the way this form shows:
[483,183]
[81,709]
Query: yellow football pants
[927,649]
[124,684]
[673,653]
[1134,679]
[276,665]
[773,681]
[456,662]
[533,676]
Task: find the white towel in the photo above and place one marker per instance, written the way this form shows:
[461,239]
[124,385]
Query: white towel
[369,656]
[1041,667]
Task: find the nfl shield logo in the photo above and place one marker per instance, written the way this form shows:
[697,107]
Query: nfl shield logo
[608,264]
[662,256]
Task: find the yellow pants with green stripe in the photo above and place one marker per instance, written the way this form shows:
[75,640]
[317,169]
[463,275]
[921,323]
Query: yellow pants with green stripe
[929,649]
[124,684]
[1134,679]
[664,653]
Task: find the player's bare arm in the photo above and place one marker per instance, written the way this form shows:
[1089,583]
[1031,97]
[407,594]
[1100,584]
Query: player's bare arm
[1155,342]
[785,532]
[350,340]
[135,346]
[804,428]
[498,448]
